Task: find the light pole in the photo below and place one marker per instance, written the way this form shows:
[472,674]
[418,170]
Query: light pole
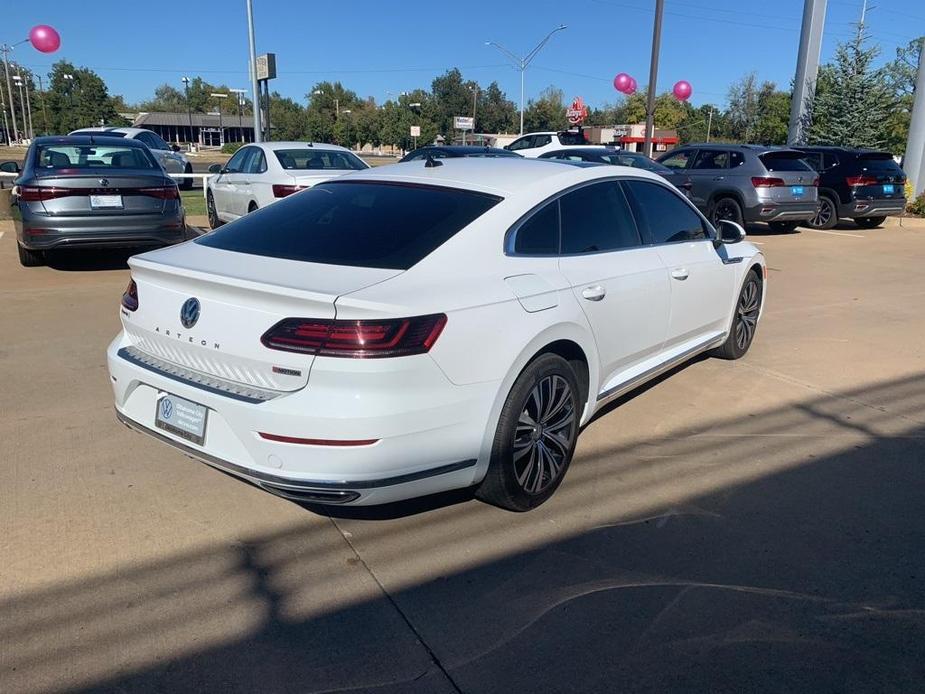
[23,84]
[653,77]
[221,129]
[5,49]
[522,63]
[240,93]
[69,81]
[6,124]
[189,108]
[44,112]
[252,46]
[416,108]
[347,112]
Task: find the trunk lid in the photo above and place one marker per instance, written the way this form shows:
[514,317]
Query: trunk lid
[796,176]
[102,192]
[881,177]
[240,297]
[307,180]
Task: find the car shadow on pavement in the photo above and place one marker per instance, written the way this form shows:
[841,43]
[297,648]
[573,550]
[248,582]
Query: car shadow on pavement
[779,568]
[90,260]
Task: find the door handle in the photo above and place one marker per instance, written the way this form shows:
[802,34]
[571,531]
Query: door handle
[719,178]
[595,293]
[680,273]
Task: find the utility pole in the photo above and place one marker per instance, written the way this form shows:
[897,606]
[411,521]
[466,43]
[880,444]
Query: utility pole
[804,84]
[709,123]
[5,49]
[23,84]
[189,108]
[258,125]
[522,63]
[6,124]
[653,77]
[44,112]
[914,164]
[240,93]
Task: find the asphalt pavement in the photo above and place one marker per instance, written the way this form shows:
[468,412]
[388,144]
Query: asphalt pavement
[736,526]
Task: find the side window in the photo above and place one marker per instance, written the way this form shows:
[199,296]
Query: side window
[236,163]
[597,218]
[541,140]
[831,160]
[522,143]
[664,214]
[147,140]
[157,142]
[257,164]
[736,159]
[539,235]
[814,159]
[711,159]
[678,160]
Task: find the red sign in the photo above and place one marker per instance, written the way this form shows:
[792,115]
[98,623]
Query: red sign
[577,112]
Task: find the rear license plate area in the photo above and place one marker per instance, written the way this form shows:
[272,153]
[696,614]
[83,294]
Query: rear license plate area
[797,190]
[106,202]
[181,417]
[888,189]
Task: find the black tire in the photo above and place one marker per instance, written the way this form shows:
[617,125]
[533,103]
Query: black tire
[214,221]
[29,258]
[869,222]
[187,183]
[745,320]
[786,227]
[826,216]
[536,436]
[726,208]
[252,207]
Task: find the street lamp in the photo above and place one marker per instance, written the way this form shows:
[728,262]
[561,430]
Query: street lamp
[221,129]
[415,106]
[522,63]
[189,108]
[24,107]
[347,112]
[240,93]
[475,93]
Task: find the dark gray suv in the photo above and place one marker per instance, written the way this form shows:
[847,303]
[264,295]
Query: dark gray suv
[88,191]
[748,183]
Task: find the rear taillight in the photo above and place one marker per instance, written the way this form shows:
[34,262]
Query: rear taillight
[357,339]
[281,190]
[816,182]
[130,297]
[164,193]
[861,181]
[37,194]
[767,182]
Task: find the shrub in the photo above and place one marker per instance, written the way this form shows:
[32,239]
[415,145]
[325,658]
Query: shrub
[917,206]
[231,147]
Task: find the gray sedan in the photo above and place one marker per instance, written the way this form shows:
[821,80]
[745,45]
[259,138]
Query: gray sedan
[88,191]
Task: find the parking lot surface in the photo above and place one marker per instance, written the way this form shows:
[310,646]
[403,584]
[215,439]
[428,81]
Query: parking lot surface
[737,526]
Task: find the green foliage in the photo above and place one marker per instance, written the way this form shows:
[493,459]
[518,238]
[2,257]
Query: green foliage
[901,74]
[547,112]
[231,147]
[78,103]
[852,101]
[917,206]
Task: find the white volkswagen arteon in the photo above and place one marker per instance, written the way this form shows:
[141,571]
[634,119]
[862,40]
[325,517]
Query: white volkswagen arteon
[426,326]
[260,174]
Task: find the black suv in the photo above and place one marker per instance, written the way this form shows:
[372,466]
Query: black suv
[860,184]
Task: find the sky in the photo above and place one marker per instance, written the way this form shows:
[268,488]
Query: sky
[381,48]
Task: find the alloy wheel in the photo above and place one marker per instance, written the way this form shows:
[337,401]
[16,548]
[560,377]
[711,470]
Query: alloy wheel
[747,314]
[544,435]
[726,209]
[824,215]
[213,216]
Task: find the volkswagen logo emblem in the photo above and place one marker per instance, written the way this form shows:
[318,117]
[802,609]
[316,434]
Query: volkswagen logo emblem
[166,408]
[189,312]
[104,182]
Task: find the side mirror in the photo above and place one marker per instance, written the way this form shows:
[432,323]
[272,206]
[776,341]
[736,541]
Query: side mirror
[730,232]
[10,167]
[175,148]
[215,168]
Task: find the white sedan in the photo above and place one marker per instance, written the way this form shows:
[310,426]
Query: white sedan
[260,174]
[171,159]
[426,326]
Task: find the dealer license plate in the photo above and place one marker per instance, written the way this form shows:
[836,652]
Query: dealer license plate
[797,190]
[106,202]
[181,417]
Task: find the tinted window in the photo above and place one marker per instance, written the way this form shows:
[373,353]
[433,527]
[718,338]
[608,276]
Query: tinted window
[572,139]
[784,161]
[157,142]
[541,140]
[355,223]
[236,163]
[677,160]
[814,159]
[93,157]
[711,159]
[736,159]
[319,159]
[257,163]
[639,161]
[522,143]
[539,235]
[880,164]
[597,218]
[667,218]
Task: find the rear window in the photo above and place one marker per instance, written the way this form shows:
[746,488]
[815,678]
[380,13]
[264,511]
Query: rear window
[879,164]
[92,157]
[572,139]
[355,223]
[784,161]
[639,161]
[308,159]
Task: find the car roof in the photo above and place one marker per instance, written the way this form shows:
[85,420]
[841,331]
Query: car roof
[273,146]
[592,149]
[835,148]
[111,129]
[86,139]
[462,149]
[499,176]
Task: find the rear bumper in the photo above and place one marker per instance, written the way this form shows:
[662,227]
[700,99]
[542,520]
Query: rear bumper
[883,207]
[428,432]
[781,212]
[45,232]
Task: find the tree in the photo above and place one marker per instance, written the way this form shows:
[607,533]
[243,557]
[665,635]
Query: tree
[326,101]
[288,120]
[743,111]
[547,112]
[452,96]
[852,101]
[80,102]
[773,115]
[901,74]
[496,113]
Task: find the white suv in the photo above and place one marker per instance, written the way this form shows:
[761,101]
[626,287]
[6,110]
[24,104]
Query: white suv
[168,156]
[533,145]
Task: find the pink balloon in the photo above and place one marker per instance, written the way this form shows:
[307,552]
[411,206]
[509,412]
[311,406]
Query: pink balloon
[44,38]
[682,90]
[631,88]
[621,82]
